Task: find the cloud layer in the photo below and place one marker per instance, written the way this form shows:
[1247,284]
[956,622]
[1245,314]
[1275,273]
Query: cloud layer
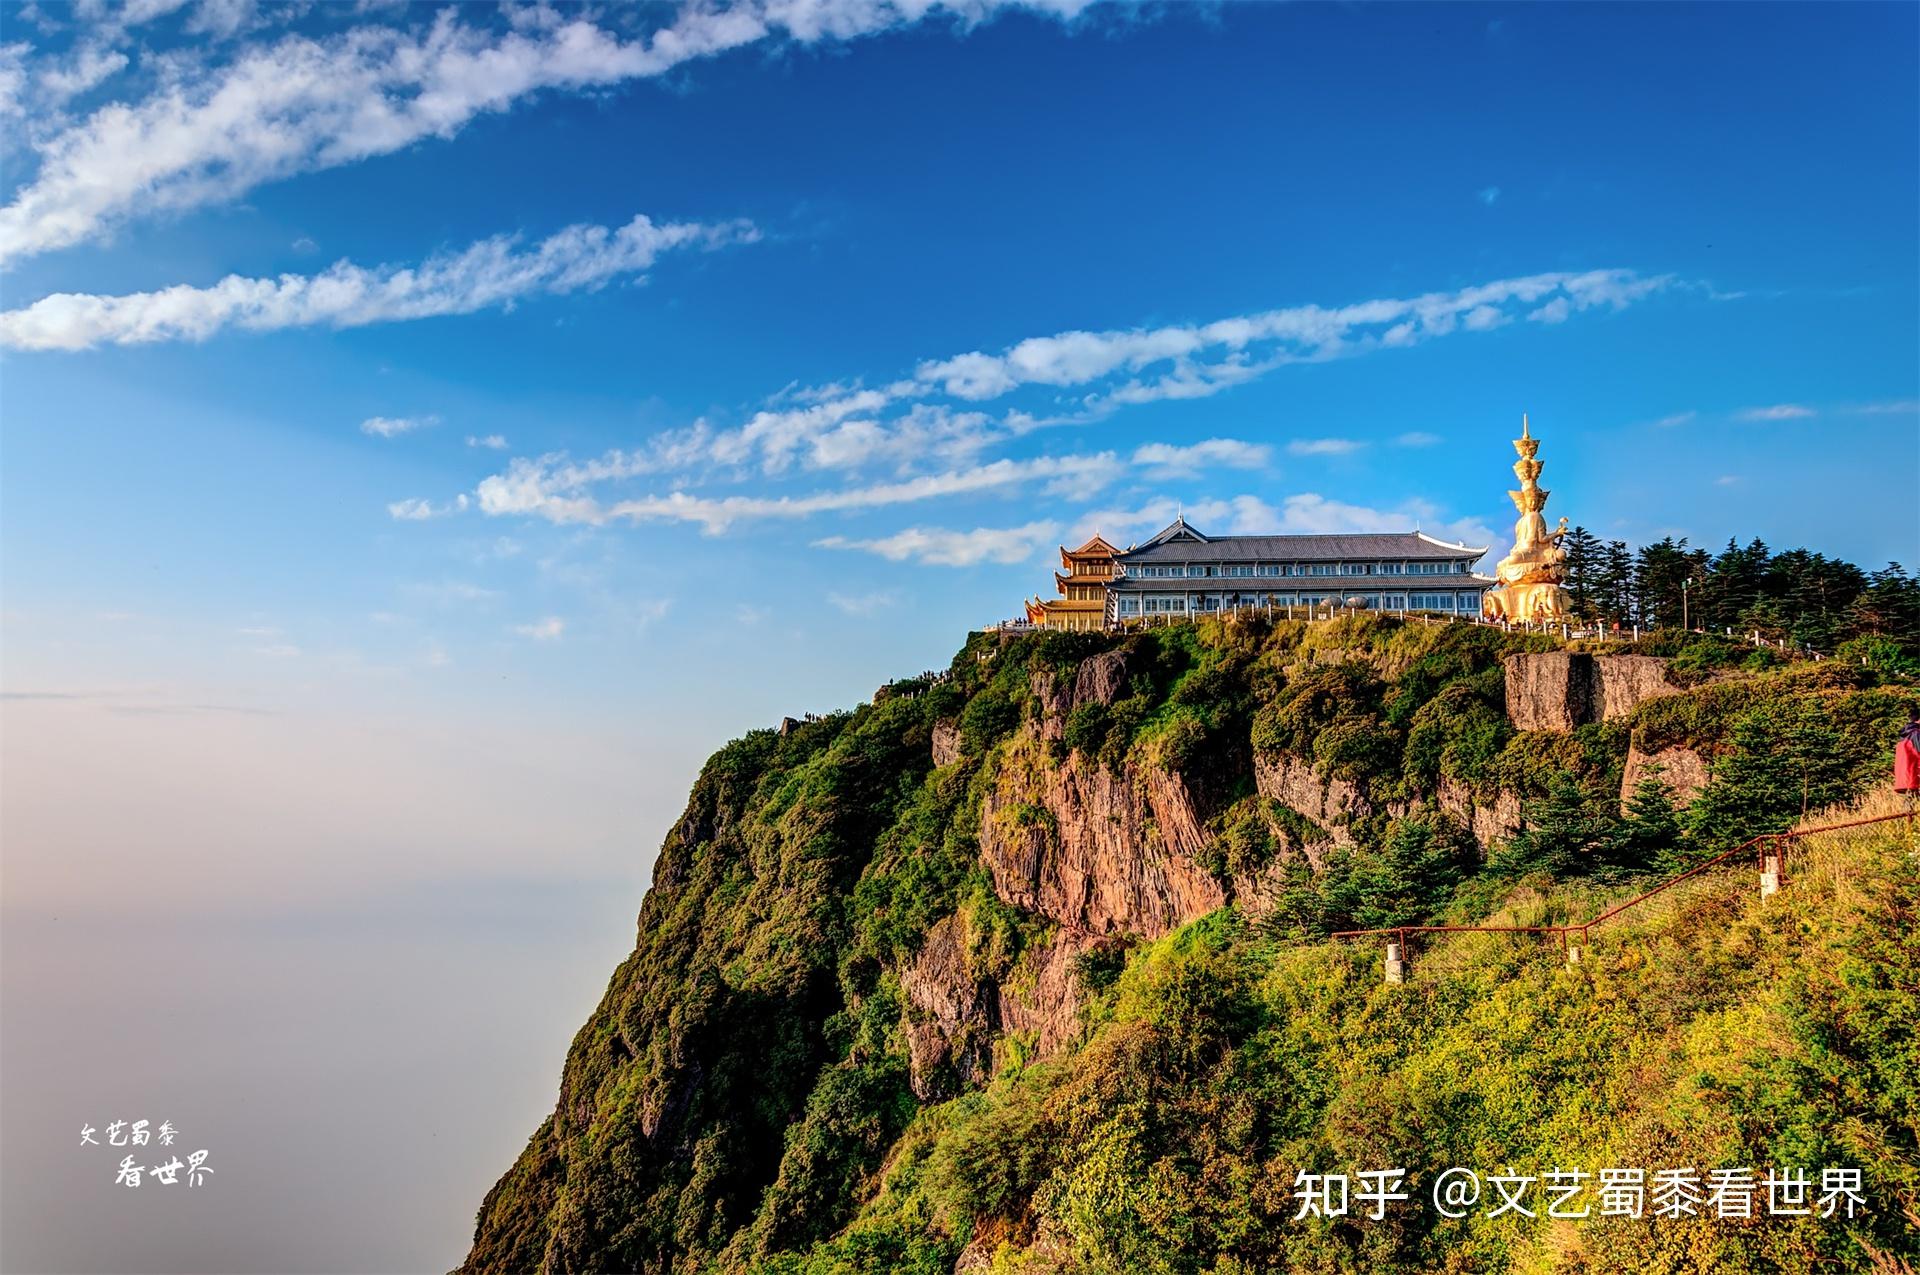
[303,104]
[932,428]
[492,272]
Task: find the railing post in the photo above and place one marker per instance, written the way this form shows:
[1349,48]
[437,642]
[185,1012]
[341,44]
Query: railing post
[1396,968]
[1770,861]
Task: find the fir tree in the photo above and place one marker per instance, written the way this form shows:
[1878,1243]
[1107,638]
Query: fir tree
[1649,836]
[1788,758]
[1584,564]
[1561,833]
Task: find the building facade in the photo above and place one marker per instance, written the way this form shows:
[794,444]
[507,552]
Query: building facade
[1183,572]
[1082,604]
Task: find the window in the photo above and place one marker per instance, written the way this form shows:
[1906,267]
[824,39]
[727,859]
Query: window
[1323,569]
[1392,568]
[1238,571]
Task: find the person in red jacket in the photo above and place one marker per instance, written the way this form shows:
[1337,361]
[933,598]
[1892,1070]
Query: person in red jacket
[1906,758]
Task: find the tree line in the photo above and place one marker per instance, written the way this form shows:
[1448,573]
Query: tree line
[1806,597]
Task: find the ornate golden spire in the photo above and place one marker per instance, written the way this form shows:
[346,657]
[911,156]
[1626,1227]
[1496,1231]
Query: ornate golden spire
[1531,575]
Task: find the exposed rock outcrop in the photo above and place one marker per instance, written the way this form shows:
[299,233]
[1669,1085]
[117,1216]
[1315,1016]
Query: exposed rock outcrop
[950,1019]
[1550,690]
[1054,697]
[1043,998]
[1102,679]
[1489,821]
[1097,851]
[1628,681]
[1559,690]
[1681,769]
[1333,804]
[946,742]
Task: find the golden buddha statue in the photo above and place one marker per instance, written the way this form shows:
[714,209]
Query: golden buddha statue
[1531,574]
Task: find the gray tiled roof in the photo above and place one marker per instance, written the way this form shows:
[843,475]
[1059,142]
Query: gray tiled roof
[1297,584]
[1297,548]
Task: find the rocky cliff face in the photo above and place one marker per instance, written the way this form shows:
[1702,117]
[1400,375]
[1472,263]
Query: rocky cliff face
[881,909]
[1559,690]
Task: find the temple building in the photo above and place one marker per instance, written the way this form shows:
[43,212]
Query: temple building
[1082,604]
[1183,572]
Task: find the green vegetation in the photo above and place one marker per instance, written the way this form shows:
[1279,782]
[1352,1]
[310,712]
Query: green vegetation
[1222,1063]
[754,1092]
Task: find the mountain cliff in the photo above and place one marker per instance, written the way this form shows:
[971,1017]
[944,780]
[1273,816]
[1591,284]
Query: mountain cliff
[1023,968]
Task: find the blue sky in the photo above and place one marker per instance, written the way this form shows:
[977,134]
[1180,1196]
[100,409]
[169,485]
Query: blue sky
[428,431]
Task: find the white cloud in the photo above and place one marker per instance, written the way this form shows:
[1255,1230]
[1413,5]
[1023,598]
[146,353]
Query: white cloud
[303,104]
[555,491]
[450,591]
[935,447]
[1324,446]
[394,426]
[1166,460]
[1417,438]
[13,79]
[1488,194]
[1777,412]
[1891,407]
[1557,310]
[945,548]
[544,630]
[492,442]
[1677,419]
[862,604]
[89,67]
[493,272]
[841,427]
[1726,480]
[415,509]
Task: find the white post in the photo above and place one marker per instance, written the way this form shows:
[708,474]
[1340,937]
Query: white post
[1396,962]
[1770,874]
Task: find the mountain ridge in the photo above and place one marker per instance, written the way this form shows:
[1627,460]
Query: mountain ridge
[864,921]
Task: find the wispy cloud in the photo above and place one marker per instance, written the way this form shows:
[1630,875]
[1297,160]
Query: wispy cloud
[491,442]
[544,630]
[551,489]
[863,604]
[1166,460]
[302,104]
[394,426]
[416,509]
[493,272]
[1324,446]
[1777,412]
[941,547]
[1417,438]
[912,425]
[1674,421]
[1488,195]
[1890,407]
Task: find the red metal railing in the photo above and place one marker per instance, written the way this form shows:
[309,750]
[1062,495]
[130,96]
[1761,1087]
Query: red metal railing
[1771,843]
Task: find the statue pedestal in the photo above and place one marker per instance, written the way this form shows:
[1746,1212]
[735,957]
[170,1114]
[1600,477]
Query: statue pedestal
[1525,602]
